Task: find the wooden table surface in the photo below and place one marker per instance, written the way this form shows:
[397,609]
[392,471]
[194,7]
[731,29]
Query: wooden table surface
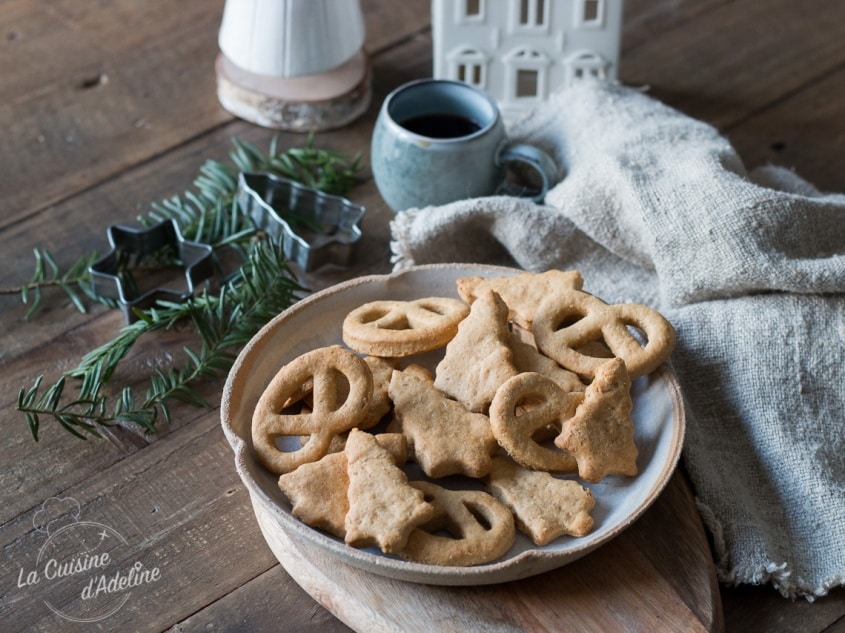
[107,107]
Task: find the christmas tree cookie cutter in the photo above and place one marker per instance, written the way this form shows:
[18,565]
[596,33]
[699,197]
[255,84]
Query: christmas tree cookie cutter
[314,228]
[159,247]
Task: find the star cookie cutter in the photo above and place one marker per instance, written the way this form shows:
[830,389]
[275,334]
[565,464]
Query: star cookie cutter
[315,228]
[112,274]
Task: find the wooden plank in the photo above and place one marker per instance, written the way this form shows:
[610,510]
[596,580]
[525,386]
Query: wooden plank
[105,27]
[761,609]
[696,67]
[78,132]
[645,19]
[47,45]
[390,23]
[59,461]
[125,99]
[802,132]
[34,471]
[615,588]
[37,47]
[270,603]
[701,596]
[179,507]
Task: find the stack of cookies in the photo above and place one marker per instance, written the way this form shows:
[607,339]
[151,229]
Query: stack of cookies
[529,400]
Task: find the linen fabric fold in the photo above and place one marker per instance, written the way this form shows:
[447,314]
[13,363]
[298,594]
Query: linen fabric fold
[655,207]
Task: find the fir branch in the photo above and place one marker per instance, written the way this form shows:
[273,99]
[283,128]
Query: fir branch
[205,214]
[75,281]
[264,287]
[261,288]
[209,215]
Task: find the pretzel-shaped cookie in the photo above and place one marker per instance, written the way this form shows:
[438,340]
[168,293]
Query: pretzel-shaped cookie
[401,328]
[328,418]
[569,319]
[470,541]
[541,403]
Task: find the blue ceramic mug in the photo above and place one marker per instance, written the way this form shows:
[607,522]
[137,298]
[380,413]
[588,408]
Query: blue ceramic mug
[437,141]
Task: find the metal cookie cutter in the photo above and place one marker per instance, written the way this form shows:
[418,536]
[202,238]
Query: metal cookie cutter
[112,276]
[314,228]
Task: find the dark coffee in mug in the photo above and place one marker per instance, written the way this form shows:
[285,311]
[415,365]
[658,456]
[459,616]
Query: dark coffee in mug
[436,141]
[441,125]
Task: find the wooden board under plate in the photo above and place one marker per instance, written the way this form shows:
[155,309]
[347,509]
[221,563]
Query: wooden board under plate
[623,586]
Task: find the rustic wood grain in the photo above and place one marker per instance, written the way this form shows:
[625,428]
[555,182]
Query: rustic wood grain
[738,57]
[763,610]
[115,96]
[59,465]
[108,106]
[801,131]
[121,106]
[616,588]
[644,20]
[269,603]
[178,508]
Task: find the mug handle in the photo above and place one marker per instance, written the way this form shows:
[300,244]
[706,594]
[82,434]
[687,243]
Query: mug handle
[536,159]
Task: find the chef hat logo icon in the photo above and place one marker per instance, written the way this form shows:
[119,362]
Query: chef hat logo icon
[77,557]
[56,513]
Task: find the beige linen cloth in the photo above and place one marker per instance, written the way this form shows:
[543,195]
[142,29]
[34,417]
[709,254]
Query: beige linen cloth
[657,208]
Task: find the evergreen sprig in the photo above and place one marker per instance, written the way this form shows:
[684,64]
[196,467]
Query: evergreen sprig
[224,320]
[47,274]
[205,213]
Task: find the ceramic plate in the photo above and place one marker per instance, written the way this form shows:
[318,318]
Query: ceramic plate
[316,321]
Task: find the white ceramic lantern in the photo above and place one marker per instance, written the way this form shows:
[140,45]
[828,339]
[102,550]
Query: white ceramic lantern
[293,64]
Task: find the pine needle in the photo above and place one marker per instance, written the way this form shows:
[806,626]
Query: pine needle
[223,320]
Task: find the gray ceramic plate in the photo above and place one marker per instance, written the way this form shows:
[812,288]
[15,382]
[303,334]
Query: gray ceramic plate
[316,321]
